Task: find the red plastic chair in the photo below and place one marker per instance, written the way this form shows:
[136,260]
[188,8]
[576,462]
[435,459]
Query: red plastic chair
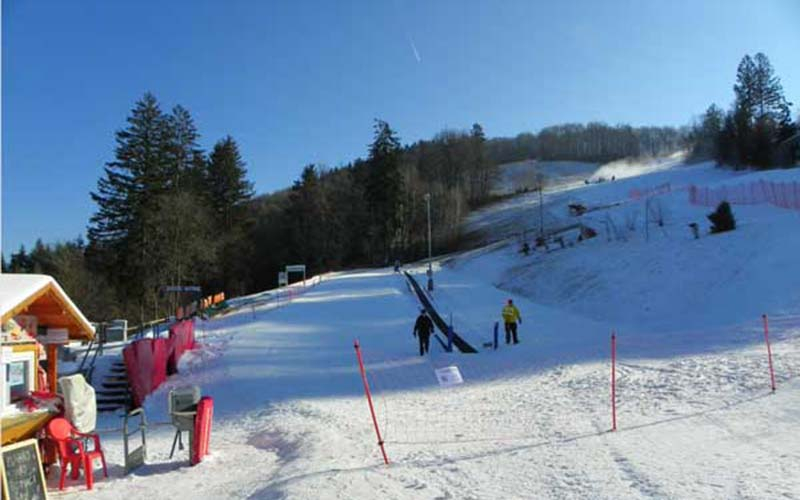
[71,451]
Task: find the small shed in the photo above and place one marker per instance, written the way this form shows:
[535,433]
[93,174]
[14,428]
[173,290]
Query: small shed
[47,318]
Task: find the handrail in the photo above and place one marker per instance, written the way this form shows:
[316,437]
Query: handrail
[459,342]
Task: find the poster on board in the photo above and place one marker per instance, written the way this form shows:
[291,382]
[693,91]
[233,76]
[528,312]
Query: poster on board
[21,470]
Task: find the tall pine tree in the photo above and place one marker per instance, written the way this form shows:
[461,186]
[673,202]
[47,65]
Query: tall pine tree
[141,171]
[384,190]
[229,193]
[226,182]
[307,219]
[761,113]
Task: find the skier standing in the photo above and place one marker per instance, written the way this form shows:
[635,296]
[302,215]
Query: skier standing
[510,317]
[423,329]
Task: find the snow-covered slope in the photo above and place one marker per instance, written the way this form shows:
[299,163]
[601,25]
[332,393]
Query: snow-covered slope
[640,275]
[695,415]
[517,176]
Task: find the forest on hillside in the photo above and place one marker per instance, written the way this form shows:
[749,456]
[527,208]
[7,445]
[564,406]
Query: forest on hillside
[169,213]
[594,142]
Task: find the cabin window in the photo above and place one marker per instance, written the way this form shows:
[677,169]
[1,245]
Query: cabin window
[20,376]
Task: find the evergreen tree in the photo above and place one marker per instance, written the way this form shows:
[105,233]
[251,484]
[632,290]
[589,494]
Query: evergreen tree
[20,262]
[766,95]
[745,83]
[149,228]
[307,217]
[706,136]
[226,182]
[761,112]
[140,172]
[187,162]
[483,171]
[345,218]
[229,192]
[384,190]
[726,142]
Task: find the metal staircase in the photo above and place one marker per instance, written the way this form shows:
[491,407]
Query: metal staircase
[114,394]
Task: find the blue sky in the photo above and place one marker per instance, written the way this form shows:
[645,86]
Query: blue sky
[300,82]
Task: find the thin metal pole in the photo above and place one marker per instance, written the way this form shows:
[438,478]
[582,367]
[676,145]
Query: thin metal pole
[430,252]
[613,381]
[541,208]
[769,351]
[369,400]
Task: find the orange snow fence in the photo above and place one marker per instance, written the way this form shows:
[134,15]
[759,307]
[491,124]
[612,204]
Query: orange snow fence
[779,194]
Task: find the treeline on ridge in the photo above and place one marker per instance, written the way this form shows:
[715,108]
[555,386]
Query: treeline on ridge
[594,142]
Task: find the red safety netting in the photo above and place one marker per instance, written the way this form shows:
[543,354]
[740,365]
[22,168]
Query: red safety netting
[637,194]
[181,338]
[138,359]
[149,361]
[144,361]
[779,194]
[159,363]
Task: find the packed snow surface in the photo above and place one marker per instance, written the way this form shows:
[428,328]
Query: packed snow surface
[695,413]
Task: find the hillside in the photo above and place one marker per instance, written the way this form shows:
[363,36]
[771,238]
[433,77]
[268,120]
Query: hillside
[695,414]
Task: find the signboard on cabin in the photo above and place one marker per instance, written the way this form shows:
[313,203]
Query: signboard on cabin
[55,336]
[22,475]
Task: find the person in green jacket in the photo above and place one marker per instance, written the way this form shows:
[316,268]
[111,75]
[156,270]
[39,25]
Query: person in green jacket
[510,317]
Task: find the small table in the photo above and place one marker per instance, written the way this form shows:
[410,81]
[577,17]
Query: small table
[24,425]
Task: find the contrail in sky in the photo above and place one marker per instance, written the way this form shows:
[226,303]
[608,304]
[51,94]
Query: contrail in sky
[414,48]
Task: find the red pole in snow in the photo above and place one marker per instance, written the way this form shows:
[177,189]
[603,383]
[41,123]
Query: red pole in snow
[613,381]
[369,400]
[769,351]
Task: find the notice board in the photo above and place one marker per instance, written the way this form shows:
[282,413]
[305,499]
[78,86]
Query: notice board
[22,474]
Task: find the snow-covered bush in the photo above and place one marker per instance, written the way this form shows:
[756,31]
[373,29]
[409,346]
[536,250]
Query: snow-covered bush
[722,218]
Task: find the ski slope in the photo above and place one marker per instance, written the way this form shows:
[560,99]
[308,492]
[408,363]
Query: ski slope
[696,417]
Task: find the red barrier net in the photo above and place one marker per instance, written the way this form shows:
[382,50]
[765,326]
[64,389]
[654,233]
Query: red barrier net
[149,361]
[779,194]
[138,390]
[139,364]
[637,194]
[159,363]
[181,339]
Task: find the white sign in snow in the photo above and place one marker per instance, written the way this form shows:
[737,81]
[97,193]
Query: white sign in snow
[449,376]
[296,268]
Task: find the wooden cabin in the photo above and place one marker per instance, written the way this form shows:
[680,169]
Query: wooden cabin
[37,317]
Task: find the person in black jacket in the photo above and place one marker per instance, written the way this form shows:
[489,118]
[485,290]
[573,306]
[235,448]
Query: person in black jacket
[423,329]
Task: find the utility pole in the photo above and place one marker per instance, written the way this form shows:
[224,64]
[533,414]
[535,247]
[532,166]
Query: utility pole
[541,210]
[430,255]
